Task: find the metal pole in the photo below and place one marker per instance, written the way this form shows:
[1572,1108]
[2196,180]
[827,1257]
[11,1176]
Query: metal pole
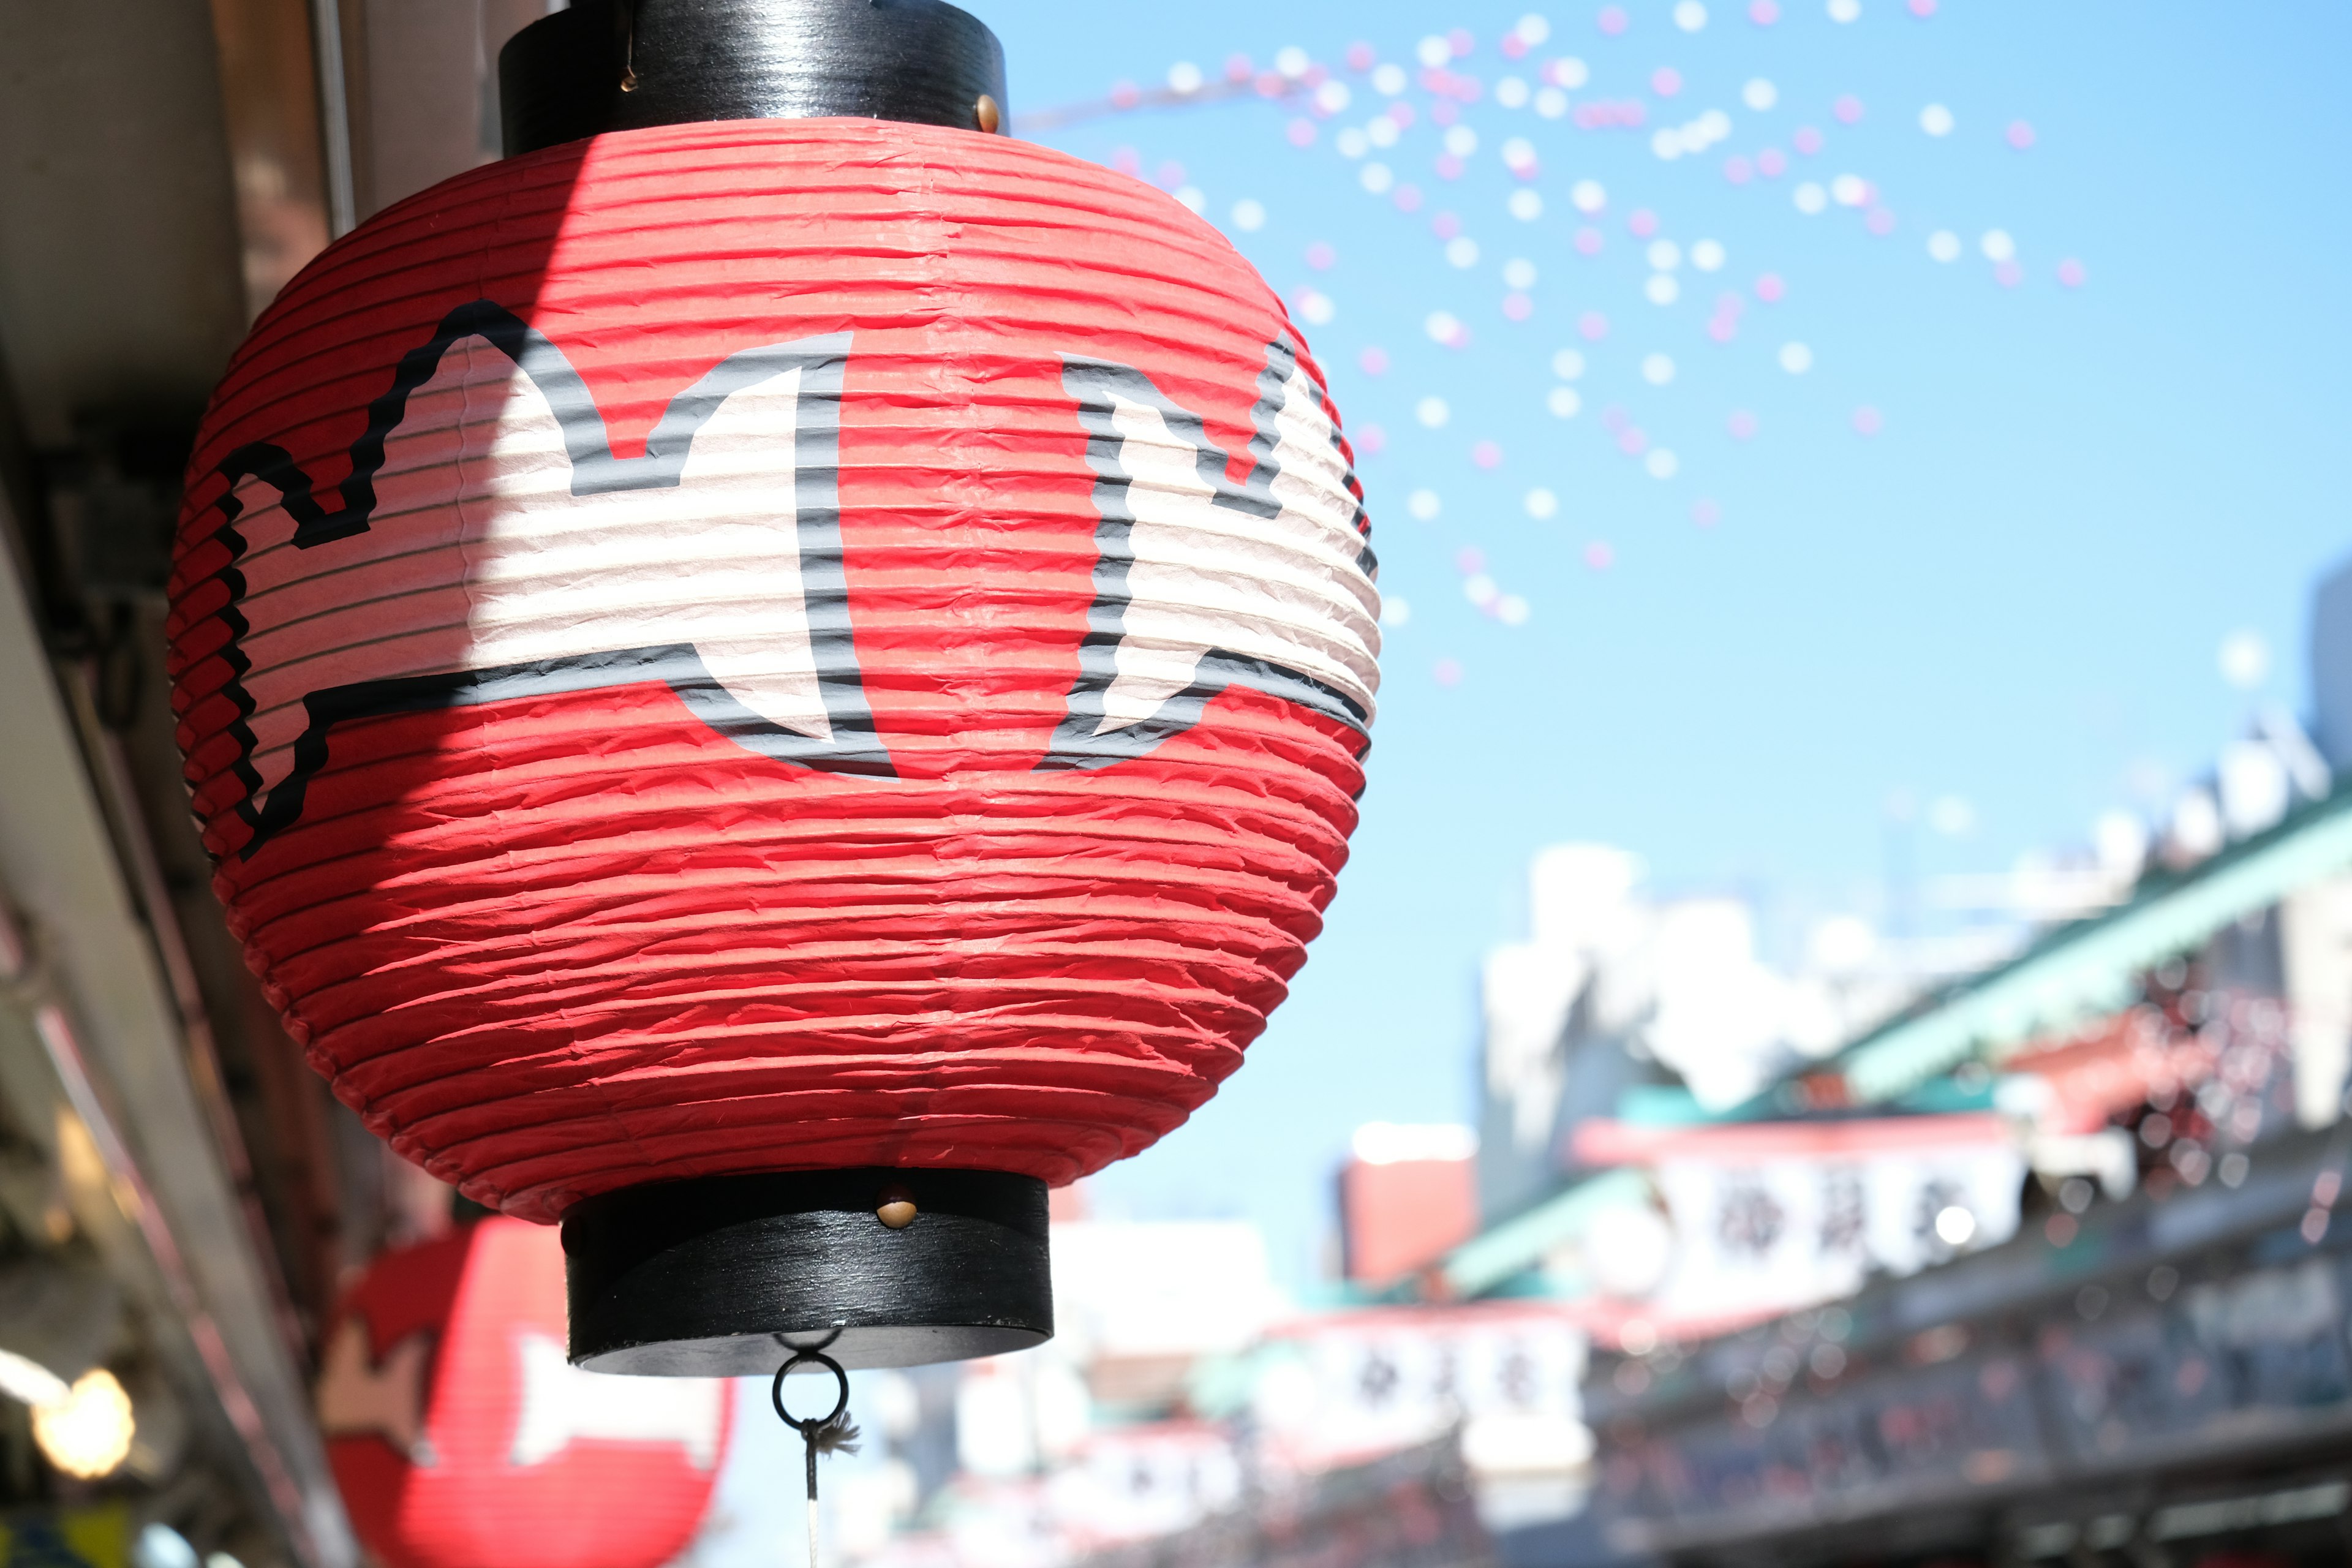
[334,116]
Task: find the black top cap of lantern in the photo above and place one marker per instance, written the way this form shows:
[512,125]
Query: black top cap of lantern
[623,65]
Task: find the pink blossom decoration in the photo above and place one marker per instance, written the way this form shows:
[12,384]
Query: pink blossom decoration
[1763,12]
[1449,167]
[1301,132]
[2009,274]
[1371,441]
[1373,361]
[1448,672]
[1705,513]
[1407,198]
[1642,222]
[1169,175]
[1742,425]
[1770,288]
[1128,161]
[1513,46]
[1666,81]
[1517,307]
[1238,68]
[1360,56]
[1321,255]
[1612,20]
[2071,273]
[1737,169]
[1588,241]
[1593,326]
[1923,9]
[1880,221]
[2019,134]
[1598,556]
[1486,454]
[1807,141]
[1771,163]
[1446,225]
[1460,41]
[1125,95]
[1848,109]
[1611,114]
[1868,421]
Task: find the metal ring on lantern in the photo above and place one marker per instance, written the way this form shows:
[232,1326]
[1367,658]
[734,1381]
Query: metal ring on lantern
[808,1427]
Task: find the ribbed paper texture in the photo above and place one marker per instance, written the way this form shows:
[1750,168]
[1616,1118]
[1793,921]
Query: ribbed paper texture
[773,644]
[460,1437]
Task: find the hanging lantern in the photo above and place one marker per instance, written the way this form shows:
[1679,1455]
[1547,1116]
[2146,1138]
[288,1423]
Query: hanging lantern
[459,1434]
[772,681]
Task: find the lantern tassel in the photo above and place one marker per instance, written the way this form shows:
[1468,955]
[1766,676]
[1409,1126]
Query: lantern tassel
[838,1435]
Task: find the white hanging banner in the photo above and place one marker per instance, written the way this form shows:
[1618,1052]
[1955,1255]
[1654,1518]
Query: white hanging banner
[1772,1217]
[1342,1389]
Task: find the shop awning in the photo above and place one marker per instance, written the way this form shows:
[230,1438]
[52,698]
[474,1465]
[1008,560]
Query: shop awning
[1518,1244]
[2073,973]
[2095,966]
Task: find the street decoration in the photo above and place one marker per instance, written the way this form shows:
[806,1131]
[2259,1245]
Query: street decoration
[770,682]
[1588,241]
[459,1435]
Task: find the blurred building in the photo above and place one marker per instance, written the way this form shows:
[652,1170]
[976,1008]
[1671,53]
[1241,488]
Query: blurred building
[1090,1441]
[1886,1265]
[1187,1406]
[1407,1194]
[1618,998]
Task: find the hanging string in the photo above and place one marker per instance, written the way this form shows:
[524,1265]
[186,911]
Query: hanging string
[829,1434]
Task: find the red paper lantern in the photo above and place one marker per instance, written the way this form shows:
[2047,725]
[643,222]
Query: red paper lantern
[775,645]
[460,1435]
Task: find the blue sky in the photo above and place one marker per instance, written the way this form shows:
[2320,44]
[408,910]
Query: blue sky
[2012,593]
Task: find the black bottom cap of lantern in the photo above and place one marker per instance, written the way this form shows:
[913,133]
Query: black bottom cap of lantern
[727,1276]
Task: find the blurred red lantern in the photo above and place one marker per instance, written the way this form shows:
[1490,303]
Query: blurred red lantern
[460,1435]
[822,644]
